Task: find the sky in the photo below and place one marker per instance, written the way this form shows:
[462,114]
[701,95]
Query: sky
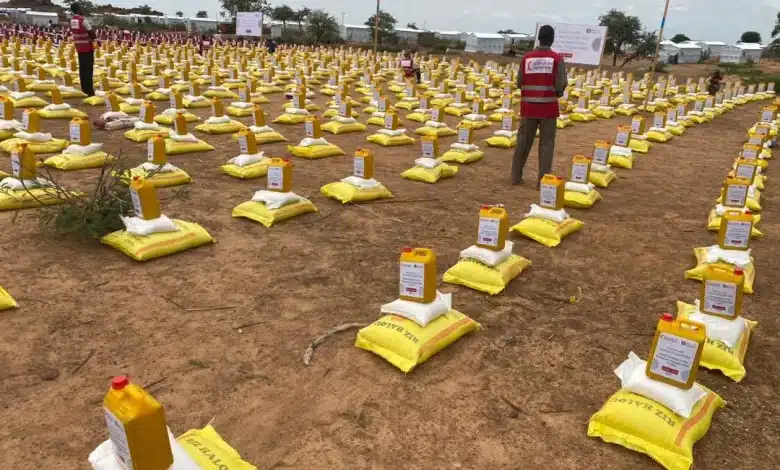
[710,20]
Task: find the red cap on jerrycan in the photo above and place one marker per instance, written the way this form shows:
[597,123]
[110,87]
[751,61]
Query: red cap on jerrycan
[119,382]
[667,317]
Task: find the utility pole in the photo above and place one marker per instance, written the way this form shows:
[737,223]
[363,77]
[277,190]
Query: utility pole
[376,26]
[655,57]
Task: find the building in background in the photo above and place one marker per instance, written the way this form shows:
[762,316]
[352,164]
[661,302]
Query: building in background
[742,53]
[681,53]
[356,33]
[408,34]
[450,35]
[489,43]
[711,48]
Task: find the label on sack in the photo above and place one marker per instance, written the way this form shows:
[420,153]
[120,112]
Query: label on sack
[412,279]
[487,234]
[737,234]
[275,177]
[720,297]
[674,357]
[736,195]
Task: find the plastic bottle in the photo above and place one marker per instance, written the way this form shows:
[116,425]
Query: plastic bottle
[111,102]
[312,127]
[258,116]
[580,169]
[147,112]
[417,275]
[437,114]
[745,168]
[465,135]
[735,192]
[659,119]
[175,99]
[217,108]
[363,164]
[676,351]
[155,150]
[80,131]
[478,106]
[31,121]
[751,151]
[430,146]
[721,291]
[391,120]
[638,125]
[137,428]
[623,136]
[551,189]
[735,230]
[6,109]
[493,227]
[280,175]
[247,143]
[23,165]
[144,197]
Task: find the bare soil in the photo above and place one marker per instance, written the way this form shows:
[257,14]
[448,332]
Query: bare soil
[84,303]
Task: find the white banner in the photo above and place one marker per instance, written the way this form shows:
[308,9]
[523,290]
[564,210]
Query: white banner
[578,43]
[249,23]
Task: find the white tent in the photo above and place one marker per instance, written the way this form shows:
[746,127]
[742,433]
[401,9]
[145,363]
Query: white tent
[741,53]
[356,33]
[685,52]
[516,37]
[485,42]
[713,47]
[449,35]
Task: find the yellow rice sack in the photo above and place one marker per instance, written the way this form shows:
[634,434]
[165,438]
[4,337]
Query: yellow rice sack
[142,135]
[71,94]
[29,102]
[315,151]
[645,426]
[210,452]
[62,114]
[621,160]
[3,174]
[430,175]
[6,301]
[580,200]
[435,131]
[641,146]
[69,162]
[547,232]
[52,146]
[331,113]
[7,134]
[190,235]
[346,192]
[221,94]
[266,137]
[309,106]
[626,111]
[129,108]
[407,105]
[258,212]
[582,117]
[475,125]
[223,128]
[157,96]
[418,117]
[376,121]
[336,127]
[697,272]
[698,119]
[167,119]
[388,141]
[603,112]
[287,118]
[563,122]
[461,156]
[179,148]
[405,344]
[676,130]
[270,89]
[713,223]
[602,179]
[159,179]
[189,104]
[459,112]
[502,142]
[238,112]
[27,199]
[246,172]
[490,279]
[716,355]
[658,136]
[441,102]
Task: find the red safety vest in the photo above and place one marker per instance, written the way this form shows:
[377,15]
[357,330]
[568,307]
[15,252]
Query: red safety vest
[80,34]
[538,99]
[408,67]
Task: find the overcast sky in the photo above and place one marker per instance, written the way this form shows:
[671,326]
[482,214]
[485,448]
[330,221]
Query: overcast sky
[716,20]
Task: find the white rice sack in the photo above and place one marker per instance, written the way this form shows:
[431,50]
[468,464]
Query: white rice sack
[720,329]
[245,159]
[361,183]
[34,137]
[74,149]
[309,142]
[735,257]
[182,138]
[420,313]
[241,105]
[218,120]
[427,162]
[149,166]
[144,228]
[475,117]
[583,188]
[488,257]
[542,213]
[275,200]
[464,147]
[392,132]
[57,107]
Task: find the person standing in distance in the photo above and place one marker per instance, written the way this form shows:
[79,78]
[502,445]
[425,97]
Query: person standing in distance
[83,35]
[542,80]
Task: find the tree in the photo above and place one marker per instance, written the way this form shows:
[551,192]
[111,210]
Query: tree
[284,14]
[301,15]
[751,37]
[322,28]
[179,14]
[507,31]
[231,7]
[776,29]
[643,48]
[202,14]
[622,31]
[386,27]
[412,25]
[678,38]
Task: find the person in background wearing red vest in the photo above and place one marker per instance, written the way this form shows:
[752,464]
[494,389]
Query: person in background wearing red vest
[407,65]
[83,35]
[542,80]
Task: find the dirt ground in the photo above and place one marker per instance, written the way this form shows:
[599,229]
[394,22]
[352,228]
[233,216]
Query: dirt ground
[82,301]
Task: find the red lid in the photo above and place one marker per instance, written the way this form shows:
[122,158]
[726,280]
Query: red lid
[748,212]
[485,206]
[406,249]
[119,382]
[738,271]
[559,177]
[667,317]
[136,178]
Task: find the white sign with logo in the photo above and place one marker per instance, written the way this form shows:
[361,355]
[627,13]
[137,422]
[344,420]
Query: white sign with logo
[249,23]
[578,43]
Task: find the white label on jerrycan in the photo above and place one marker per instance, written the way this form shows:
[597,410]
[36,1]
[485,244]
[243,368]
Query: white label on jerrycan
[579,172]
[358,167]
[118,436]
[412,279]
[737,234]
[720,297]
[674,357]
[487,234]
[275,177]
[75,133]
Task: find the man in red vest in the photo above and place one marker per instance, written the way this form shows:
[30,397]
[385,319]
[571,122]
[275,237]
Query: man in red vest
[83,35]
[542,80]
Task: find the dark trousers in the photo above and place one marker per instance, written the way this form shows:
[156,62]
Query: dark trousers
[86,69]
[525,140]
